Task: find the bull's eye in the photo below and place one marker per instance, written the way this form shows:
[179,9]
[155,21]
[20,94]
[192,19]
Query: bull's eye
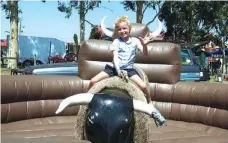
[92,117]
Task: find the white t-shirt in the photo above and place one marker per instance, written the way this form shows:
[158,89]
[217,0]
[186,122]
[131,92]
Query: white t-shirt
[126,51]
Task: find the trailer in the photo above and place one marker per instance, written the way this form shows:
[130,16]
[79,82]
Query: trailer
[39,49]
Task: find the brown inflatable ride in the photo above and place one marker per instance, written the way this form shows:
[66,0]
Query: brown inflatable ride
[196,112]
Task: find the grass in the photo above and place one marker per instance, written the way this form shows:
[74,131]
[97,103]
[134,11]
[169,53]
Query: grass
[5,71]
[213,80]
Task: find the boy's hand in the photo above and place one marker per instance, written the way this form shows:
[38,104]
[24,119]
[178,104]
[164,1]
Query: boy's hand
[123,75]
[119,73]
[149,37]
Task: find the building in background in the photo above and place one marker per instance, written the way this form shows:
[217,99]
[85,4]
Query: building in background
[3,45]
[39,49]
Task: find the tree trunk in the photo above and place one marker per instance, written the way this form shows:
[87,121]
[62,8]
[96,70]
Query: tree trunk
[223,57]
[82,21]
[139,14]
[13,44]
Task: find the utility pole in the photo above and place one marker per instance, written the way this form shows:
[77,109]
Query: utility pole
[20,27]
[13,44]
[82,20]
[223,55]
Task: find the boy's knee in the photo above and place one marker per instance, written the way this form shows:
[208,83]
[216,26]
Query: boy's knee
[93,81]
[143,86]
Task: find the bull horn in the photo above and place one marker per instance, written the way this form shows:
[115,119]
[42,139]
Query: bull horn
[104,29]
[158,30]
[77,99]
[143,107]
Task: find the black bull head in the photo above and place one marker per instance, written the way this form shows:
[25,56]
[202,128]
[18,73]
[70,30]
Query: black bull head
[110,117]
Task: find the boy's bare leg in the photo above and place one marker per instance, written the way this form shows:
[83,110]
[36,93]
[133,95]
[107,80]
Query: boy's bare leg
[137,80]
[97,78]
[159,119]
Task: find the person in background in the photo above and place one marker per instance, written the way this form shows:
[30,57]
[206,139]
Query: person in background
[2,60]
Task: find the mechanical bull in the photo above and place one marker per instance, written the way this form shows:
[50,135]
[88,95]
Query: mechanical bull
[116,111]
[109,118]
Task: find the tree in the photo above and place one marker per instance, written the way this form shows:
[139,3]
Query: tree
[218,21]
[140,8]
[214,16]
[11,9]
[191,21]
[76,49]
[180,20]
[187,19]
[82,7]
[95,33]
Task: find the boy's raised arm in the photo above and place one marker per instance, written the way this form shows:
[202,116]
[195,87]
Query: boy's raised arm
[113,48]
[142,47]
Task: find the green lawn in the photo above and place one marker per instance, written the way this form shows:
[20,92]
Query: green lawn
[5,71]
[213,80]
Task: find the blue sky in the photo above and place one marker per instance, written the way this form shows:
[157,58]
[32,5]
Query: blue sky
[44,19]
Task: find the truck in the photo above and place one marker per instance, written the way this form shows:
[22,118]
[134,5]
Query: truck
[191,69]
[40,49]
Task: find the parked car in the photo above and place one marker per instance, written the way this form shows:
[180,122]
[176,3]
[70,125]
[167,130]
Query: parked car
[30,62]
[69,57]
[67,68]
[190,71]
[195,66]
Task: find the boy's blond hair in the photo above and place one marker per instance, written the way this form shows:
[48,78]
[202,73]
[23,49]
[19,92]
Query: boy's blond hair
[122,19]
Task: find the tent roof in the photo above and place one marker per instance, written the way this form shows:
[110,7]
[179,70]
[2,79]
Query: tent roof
[3,43]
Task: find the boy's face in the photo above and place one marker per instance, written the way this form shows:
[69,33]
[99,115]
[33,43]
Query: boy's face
[123,30]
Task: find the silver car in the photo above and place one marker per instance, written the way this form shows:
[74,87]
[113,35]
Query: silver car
[69,68]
